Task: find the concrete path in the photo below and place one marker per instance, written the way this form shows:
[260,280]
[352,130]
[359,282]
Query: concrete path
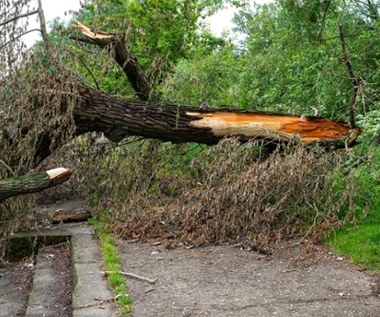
[210,281]
[225,281]
[12,300]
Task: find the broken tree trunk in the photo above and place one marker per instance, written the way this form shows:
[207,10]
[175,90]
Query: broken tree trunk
[32,183]
[119,118]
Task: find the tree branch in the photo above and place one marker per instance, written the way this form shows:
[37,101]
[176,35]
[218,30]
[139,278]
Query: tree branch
[7,167]
[125,59]
[18,36]
[32,183]
[18,17]
[354,80]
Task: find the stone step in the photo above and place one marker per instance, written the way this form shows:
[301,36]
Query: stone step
[91,295]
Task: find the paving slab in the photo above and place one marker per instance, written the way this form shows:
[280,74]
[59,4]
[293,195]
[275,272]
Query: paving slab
[226,281]
[91,295]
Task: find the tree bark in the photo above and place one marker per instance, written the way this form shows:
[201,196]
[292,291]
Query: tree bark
[119,118]
[32,183]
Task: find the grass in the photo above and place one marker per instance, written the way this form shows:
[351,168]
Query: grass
[361,243]
[112,263]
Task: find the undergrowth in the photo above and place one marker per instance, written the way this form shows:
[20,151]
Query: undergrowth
[360,241]
[230,193]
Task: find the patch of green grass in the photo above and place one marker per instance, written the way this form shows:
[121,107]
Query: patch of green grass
[112,263]
[361,243]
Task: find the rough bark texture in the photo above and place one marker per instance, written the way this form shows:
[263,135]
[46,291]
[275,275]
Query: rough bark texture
[119,118]
[32,183]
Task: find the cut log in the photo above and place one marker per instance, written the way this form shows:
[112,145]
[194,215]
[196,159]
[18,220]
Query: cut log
[70,216]
[32,183]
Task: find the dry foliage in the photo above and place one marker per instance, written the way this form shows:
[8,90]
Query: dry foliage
[231,193]
[32,87]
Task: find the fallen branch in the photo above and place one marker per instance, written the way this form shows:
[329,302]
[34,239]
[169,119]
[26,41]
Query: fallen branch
[131,275]
[126,60]
[32,183]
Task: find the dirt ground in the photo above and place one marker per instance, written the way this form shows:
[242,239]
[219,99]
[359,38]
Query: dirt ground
[16,282]
[227,281]
[59,260]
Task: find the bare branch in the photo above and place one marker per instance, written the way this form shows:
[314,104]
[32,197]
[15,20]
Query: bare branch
[18,36]
[18,17]
[125,59]
[8,168]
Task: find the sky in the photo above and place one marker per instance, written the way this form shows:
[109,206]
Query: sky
[219,23]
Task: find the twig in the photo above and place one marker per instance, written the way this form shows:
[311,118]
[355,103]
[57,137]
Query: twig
[8,168]
[18,36]
[354,80]
[101,301]
[135,276]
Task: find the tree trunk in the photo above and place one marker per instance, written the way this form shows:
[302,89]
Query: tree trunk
[119,118]
[32,183]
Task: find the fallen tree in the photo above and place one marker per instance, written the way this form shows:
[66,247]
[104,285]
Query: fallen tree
[119,118]
[32,183]
[93,110]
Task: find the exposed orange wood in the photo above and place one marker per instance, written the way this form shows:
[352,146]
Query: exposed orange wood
[284,127]
[87,31]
